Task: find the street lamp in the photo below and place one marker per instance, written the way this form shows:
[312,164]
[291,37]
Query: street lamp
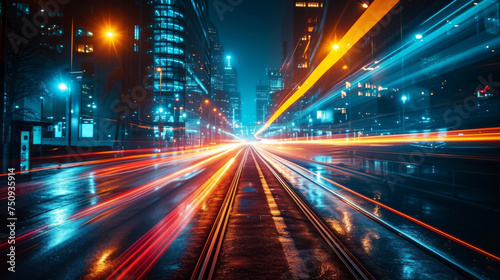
[404,98]
[365,5]
[41,108]
[418,36]
[335,47]
[160,127]
[64,87]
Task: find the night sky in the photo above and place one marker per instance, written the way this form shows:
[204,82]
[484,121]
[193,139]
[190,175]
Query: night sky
[252,35]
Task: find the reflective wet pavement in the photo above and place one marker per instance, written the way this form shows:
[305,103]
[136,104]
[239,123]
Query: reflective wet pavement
[268,236]
[150,218]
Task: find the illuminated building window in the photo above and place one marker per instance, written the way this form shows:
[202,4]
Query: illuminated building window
[23,8]
[302,65]
[52,30]
[343,94]
[300,4]
[82,48]
[360,93]
[368,94]
[82,32]
[304,38]
[136,32]
[313,4]
[310,28]
[136,48]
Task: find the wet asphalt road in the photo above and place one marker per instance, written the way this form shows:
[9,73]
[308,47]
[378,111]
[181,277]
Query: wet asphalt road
[149,217]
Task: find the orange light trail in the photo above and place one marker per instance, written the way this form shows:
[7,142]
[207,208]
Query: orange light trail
[120,168]
[375,12]
[436,230]
[139,192]
[467,135]
[119,201]
[139,258]
[101,161]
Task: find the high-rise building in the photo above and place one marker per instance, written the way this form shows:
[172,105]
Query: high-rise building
[305,18]
[265,93]
[217,59]
[181,52]
[219,96]
[275,80]
[230,86]
[90,55]
[262,102]
[133,63]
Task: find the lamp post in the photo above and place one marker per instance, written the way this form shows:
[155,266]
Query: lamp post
[207,102]
[211,131]
[41,108]
[65,87]
[160,110]
[220,124]
[404,98]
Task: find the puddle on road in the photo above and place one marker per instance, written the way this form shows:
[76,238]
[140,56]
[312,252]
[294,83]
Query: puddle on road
[248,189]
[246,203]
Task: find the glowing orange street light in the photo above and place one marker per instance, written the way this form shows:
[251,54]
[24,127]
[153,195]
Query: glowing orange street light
[110,34]
[344,67]
[215,109]
[365,5]
[220,114]
[206,101]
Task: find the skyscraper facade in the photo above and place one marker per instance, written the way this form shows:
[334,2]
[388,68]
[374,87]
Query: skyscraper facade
[217,59]
[305,18]
[230,86]
[181,57]
[265,93]
[262,102]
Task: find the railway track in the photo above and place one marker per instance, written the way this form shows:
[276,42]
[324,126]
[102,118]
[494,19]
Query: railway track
[206,265]
[456,267]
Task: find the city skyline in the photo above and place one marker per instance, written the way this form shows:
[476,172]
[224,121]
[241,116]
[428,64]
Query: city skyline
[252,43]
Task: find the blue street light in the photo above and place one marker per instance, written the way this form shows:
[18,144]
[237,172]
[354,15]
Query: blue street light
[418,36]
[63,86]
[404,98]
